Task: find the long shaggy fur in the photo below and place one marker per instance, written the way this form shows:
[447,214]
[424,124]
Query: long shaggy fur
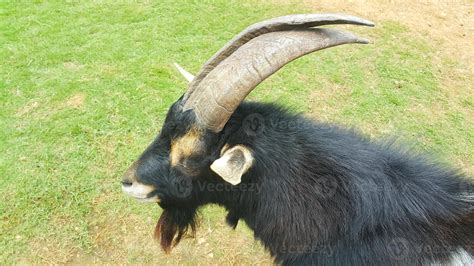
[172,226]
[318,194]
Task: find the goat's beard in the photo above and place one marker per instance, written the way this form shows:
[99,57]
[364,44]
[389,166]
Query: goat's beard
[172,225]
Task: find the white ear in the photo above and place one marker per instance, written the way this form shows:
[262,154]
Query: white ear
[233,163]
[188,76]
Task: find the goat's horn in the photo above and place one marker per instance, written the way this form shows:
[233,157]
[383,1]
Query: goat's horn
[188,76]
[255,54]
[299,21]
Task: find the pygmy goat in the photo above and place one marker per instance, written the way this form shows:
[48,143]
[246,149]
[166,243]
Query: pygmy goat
[312,193]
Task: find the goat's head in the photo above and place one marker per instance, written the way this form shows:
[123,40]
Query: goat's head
[190,148]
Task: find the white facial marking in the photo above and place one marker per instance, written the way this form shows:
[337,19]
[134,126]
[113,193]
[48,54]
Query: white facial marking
[140,192]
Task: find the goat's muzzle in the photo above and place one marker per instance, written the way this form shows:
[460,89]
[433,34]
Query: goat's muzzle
[133,187]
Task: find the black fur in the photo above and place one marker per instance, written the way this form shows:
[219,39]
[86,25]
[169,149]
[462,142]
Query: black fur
[317,193]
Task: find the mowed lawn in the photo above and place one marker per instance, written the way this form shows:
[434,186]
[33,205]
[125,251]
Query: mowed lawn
[84,88]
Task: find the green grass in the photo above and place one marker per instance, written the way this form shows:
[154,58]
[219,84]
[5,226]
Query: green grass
[85,86]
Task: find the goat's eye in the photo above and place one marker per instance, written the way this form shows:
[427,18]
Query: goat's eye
[189,166]
[185,163]
[189,163]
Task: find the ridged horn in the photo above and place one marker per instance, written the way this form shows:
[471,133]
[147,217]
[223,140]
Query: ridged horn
[255,54]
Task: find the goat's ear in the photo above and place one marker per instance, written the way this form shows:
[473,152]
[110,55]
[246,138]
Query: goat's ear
[233,163]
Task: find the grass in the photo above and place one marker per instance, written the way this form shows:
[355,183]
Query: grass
[85,86]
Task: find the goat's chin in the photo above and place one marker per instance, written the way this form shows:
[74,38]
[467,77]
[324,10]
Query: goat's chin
[172,225]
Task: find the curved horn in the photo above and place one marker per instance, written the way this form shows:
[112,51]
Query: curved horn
[188,76]
[242,64]
[298,21]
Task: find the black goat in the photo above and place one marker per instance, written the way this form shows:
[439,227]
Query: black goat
[313,193]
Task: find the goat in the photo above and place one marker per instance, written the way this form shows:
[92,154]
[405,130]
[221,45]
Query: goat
[313,193]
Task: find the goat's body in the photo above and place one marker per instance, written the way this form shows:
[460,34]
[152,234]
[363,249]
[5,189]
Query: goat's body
[329,196]
[311,192]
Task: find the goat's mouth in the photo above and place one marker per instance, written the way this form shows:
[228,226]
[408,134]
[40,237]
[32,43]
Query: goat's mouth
[141,192]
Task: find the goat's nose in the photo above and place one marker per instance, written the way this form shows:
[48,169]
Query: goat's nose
[126,183]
